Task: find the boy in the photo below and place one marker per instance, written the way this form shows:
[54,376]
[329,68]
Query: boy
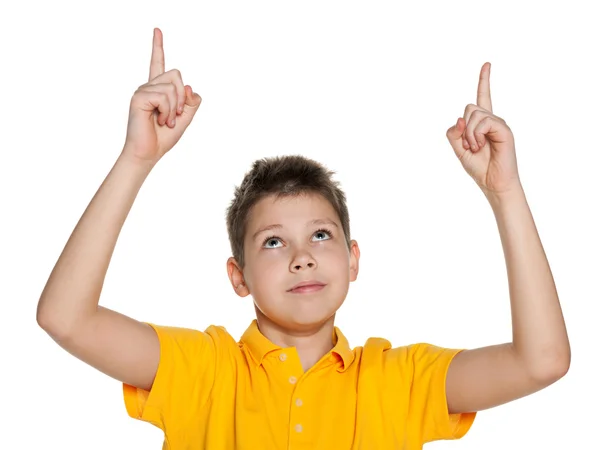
[292,380]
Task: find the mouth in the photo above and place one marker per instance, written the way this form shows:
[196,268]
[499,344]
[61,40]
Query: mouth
[307,287]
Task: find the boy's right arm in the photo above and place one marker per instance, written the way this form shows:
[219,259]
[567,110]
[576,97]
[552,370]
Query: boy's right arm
[68,309]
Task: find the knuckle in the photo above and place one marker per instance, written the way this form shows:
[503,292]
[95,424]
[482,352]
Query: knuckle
[175,76]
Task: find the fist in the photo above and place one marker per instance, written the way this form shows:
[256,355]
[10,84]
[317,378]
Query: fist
[485,145]
[160,110]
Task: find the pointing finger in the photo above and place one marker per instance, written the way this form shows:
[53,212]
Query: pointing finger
[484,98]
[157,62]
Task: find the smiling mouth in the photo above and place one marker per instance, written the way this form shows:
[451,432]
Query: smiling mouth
[307,289]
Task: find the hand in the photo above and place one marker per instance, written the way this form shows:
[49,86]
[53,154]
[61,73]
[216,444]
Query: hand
[160,110]
[484,144]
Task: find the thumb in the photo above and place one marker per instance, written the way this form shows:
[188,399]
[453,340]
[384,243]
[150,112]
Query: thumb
[192,102]
[454,135]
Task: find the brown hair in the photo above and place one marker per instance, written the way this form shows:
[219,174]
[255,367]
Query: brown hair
[281,176]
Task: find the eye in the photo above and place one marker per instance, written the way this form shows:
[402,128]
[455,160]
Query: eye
[270,240]
[323,232]
[321,235]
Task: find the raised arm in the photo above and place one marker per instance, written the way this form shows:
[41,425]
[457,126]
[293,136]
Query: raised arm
[539,353]
[68,309]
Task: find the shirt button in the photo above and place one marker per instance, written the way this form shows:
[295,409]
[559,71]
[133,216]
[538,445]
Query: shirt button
[293,380]
[298,402]
[282,357]
[298,428]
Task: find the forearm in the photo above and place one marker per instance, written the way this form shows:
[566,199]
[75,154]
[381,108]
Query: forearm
[74,286]
[539,333]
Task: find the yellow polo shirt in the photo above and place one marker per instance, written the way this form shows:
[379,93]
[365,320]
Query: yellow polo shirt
[214,393]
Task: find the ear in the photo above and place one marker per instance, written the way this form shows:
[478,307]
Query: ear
[236,276]
[354,257]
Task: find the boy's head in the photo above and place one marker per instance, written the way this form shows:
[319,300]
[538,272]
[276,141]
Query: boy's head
[288,223]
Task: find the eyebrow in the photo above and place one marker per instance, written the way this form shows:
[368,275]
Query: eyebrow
[278,226]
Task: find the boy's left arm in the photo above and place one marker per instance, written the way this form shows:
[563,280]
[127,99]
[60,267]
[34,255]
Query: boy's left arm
[539,353]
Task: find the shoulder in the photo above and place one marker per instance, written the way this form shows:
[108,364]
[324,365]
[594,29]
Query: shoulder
[414,355]
[185,332]
[181,339]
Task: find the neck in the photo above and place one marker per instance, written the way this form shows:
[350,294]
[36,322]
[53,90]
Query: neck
[312,342]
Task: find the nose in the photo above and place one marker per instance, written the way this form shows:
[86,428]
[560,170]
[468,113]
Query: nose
[302,260]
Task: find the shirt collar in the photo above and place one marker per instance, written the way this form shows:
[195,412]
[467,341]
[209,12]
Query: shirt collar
[259,345]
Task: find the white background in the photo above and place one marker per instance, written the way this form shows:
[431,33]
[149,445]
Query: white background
[367,88]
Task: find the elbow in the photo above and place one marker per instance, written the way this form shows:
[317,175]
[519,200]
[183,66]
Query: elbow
[46,324]
[562,362]
[550,372]
[57,332]
[42,316]
[563,366]
[50,324]
[42,319]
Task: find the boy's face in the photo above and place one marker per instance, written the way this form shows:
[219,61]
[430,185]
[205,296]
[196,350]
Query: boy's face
[293,251]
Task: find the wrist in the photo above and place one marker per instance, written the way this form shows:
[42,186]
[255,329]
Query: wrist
[135,163]
[502,200]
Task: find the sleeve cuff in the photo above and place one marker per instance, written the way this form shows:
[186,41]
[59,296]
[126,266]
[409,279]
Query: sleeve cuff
[454,426]
[141,404]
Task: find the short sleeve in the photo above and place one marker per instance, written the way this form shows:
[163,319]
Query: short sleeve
[183,381]
[428,404]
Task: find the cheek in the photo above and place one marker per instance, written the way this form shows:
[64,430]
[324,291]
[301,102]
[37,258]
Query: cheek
[337,254]
[334,263]
[267,271]
[268,261]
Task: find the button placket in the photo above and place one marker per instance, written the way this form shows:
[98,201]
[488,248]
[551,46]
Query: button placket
[298,427]
[292,365]
[296,417]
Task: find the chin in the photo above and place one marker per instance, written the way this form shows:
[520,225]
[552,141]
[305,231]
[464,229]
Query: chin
[312,318]
[301,311]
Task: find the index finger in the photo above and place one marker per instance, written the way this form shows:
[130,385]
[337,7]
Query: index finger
[157,62]
[484,98]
